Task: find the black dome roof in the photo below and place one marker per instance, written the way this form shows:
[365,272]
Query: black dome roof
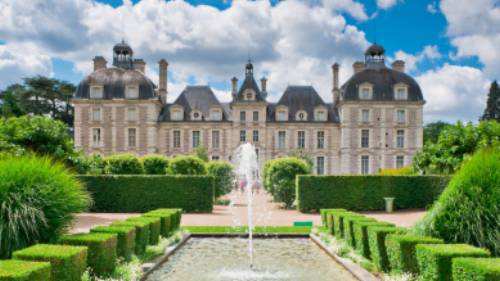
[383,80]
[114,81]
[122,48]
[375,50]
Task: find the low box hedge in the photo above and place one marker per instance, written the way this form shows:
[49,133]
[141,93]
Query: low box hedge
[338,223]
[324,213]
[18,270]
[125,239]
[143,193]
[377,242]
[367,192]
[101,250]
[435,261]
[141,234]
[477,269]
[154,227]
[360,231]
[349,228]
[170,219]
[401,251]
[68,263]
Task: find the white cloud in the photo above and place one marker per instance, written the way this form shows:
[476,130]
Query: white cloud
[355,9]
[432,8]
[386,4]
[430,52]
[453,93]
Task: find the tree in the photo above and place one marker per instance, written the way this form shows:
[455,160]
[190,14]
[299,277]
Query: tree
[10,105]
[301,154]
[201,152]
[492,111]
[432,130]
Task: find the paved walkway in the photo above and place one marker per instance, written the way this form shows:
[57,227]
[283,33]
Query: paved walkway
[265,213]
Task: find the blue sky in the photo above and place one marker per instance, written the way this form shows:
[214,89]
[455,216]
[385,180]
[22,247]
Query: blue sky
[448,45]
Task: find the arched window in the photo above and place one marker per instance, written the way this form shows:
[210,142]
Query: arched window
[301,115]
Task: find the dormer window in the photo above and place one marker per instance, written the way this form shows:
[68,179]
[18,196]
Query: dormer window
[365,92]
[320,115]
[301,115]
[281,115]
[215,115]
[132,92]
[249,95]
[96,92]
[196,115]
[176,115]
[400,93]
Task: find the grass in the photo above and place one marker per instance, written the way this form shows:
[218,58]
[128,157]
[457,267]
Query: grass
[244,229]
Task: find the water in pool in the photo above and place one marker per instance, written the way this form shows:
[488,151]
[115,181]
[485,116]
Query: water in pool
[226,259]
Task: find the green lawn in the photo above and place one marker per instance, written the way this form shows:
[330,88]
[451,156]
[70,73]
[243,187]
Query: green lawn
[244,229]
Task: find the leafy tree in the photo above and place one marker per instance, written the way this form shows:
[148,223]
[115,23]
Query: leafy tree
[301,154]
[10,105]
[281,175]
[492,110]
[187,165]
[155,164]
[432,130]
[201,152]
[222,171]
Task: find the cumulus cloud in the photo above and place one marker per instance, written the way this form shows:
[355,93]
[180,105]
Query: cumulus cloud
[453,93]
[429,52]
[386,4]
[432,8]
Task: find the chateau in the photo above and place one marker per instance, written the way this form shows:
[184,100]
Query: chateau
[373,121]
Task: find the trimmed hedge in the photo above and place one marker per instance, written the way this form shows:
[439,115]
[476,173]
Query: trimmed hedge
[155,164]
[187,165]
[324,213]
[401,251]
[142,193]
[367,192]
[17,270]
[141,234]
[154,224]
[123,164]
[478,269]
[68,263]
[126,239]
[338,223]
[349,223]
[377,242]
[101,250]
[176,216]
[435,261]
[170,219]
[360,230]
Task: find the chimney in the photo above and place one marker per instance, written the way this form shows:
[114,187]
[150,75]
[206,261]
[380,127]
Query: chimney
[358,66]
[234,86]
[162,90]
[263,84]
[398,65]
[99,63]
[335,90]
[140,66]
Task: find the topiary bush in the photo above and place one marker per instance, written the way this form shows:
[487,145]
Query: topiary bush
[435,261]
[17,270]
[155,164]
[141,234]
[39,198]
[187,165]
[126,239]
[68,263]
[154,224]
[377,242]
[349,222]
[468,211]
[360,230]
[167,221]
[281,178]
[222,171]
[123,164]
[477,269]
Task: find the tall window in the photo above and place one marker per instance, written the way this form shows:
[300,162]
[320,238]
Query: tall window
[243,136]
[320,115]
[365,115]
[196,139]
[400,93]
[96,114]
[243,116]
[132,92]
[215,115]
[365,164]
[401,116]
[281,115]
[365,138]
[177,115]
[96,136]
[400,161]
[281,139]
[400,138]
[131,137]
[255,135]
[177,139]
[320,165]
[132,114]
[96,92]
[215,139]
[321,139]
[365,93]
[255,116]
[301,139]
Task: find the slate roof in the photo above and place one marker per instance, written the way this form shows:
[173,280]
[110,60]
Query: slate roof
[114,81]
[250,83]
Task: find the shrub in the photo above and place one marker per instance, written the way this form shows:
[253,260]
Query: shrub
[154,227]
[88,164]
[67,262]
[468,211]
[401,251]
[367,192]
[377,242]
[101,250]
[125,239]
[141,234]
[139,193]
[16,270]
[349,222]
[201,152]
[155,164]
[338,223]
[360,230]
[187,165]
[175,219]
[38,199]
[404,171]
[477,269]
[324,212]
[435,261]
[167,220]
[281,177]
[222,171]
[123,164]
